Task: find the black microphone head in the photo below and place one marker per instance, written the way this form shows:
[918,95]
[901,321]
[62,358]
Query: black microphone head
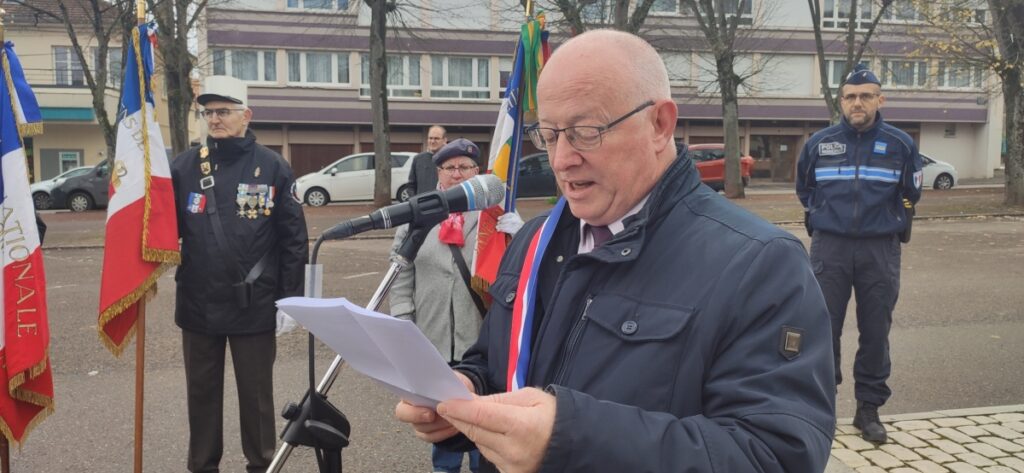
[483,191]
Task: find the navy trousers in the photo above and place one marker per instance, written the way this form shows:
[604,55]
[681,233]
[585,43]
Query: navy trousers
[870,267]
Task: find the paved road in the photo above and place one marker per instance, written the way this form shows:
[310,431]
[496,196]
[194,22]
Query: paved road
[958,339]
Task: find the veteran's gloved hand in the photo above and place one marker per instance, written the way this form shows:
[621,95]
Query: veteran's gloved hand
[285,324]
[509,223]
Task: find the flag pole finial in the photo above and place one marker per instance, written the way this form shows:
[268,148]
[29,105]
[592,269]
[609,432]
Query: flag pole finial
[2,13]
[529,9]
[140,11]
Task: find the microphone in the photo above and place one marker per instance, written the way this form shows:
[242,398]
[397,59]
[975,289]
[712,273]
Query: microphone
[429,209]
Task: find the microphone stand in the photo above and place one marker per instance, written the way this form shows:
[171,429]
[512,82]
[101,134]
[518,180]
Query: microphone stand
[315,422]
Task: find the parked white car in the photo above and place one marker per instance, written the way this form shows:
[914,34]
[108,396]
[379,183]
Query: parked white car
[938,174]
[41,190]
[351,178]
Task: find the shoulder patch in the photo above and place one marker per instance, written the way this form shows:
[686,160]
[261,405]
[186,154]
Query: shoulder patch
[790,342]
[832,148]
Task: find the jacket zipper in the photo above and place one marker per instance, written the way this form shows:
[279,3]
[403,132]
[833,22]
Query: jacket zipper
[856,184]
[574,339]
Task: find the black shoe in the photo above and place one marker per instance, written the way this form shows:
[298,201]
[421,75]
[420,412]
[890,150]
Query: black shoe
[870,426]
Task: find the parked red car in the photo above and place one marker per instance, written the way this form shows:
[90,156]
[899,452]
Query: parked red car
[710,161]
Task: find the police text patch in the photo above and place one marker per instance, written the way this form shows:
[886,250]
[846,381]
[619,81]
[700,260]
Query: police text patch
[831,149]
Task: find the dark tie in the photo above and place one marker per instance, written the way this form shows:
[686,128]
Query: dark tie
[600,233]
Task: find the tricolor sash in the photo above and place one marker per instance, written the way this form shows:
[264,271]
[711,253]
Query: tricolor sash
[525,304]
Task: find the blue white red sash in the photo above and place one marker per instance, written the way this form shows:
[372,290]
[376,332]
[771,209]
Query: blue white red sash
[525,305]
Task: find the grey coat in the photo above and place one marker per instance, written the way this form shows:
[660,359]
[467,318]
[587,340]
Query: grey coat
[431,292]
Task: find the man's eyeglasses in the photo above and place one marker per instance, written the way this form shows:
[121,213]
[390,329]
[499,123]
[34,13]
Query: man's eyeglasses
[220,112]
[457,169]
[580,137]
[864,98]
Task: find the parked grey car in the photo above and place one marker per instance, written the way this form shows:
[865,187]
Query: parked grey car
[86,192]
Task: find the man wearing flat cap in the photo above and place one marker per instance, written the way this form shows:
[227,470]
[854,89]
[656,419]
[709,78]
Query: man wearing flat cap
[857,181]
[243,246]
[432,292]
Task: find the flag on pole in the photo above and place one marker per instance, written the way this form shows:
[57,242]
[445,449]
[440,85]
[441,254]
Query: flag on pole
[142,226]
[27,397]
[506,147]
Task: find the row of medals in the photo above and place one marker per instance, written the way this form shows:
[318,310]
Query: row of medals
[252,199]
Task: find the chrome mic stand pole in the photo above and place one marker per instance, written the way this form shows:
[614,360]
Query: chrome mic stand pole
[314,288]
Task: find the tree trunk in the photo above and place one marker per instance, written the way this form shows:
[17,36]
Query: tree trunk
[1014,103]
[379,103]
[729,85]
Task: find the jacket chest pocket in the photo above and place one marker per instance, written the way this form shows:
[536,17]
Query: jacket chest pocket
[627,344]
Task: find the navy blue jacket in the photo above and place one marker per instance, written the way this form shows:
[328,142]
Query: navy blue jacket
[853,183]
[663,347]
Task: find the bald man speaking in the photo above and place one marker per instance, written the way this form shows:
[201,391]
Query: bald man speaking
[645,324]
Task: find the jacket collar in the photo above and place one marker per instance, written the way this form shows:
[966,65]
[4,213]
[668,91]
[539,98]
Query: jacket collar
[230,149]
[679,180]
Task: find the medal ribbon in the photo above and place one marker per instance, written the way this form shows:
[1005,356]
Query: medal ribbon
[526,301]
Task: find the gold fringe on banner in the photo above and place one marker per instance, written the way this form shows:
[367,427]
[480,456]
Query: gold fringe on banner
[30,129]
[118,307]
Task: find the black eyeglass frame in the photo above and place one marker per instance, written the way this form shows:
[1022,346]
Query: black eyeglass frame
[534,130]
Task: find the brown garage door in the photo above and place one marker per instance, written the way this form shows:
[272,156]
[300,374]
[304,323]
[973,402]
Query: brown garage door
[307,158]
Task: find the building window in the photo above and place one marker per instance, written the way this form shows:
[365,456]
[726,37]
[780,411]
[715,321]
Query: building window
[836,13]
[67,68]
[246,64]
[319,4]
[460,77]
[678,66]
[314,67]
[969,11]
[730,8]
[403,76]
[837,68]
[954,75]
[113,65]
[665,7]
[902,11]
[904,73]
[68,160]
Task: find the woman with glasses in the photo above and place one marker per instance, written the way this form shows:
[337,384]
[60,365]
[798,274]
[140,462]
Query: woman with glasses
[432,291]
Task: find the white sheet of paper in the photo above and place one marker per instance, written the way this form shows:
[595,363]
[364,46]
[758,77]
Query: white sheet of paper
[389,350]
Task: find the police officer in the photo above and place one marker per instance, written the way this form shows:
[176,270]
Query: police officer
[423,174]
[244,246]
[853,179]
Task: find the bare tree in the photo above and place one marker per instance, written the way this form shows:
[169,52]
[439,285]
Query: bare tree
[1008,19]
[718,21]
[175,19]
[609,14]
[87,21]
[855,47]
[974,40]
[379,100]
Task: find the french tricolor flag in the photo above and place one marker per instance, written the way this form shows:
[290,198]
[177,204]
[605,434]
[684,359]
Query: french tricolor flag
[26,397]
[142,227]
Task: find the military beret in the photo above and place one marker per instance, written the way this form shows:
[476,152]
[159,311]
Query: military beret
[456,148]
[862,75]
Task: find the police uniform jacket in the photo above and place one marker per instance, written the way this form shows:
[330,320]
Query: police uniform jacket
[853,183]
[696,339]
[253,174]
